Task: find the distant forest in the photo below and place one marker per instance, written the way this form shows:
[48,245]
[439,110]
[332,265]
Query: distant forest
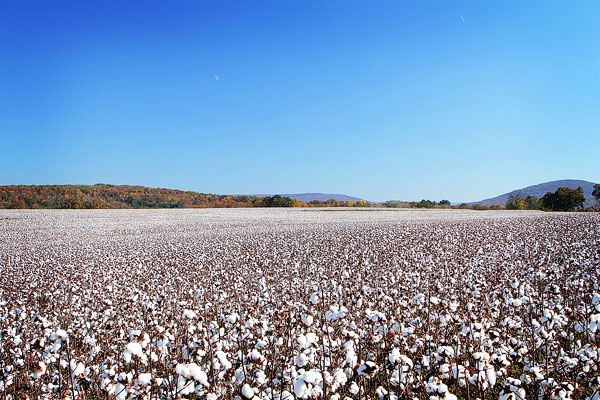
[116,196]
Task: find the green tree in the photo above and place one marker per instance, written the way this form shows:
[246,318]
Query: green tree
[516,202]
[425,204]
[564,199]
[533,203]
[444,203]
[596,193]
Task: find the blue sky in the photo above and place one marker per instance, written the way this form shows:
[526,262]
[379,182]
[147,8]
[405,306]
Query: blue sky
[381,100]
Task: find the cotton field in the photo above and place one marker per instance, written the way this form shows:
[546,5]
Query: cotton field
[299,304]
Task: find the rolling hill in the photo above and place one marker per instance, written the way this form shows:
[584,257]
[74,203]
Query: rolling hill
[307,197]
[541,189]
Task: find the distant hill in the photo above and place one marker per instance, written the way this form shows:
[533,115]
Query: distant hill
[307,197]
[540,190]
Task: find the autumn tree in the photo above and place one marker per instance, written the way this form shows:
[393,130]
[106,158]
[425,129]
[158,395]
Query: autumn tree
[516,202]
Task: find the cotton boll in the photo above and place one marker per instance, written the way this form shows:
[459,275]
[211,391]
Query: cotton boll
[198,374]
[120,391]
[301,360]
[314,299]
[312,377]
[381,392]
[223,360]
[490,374]
[39,370]
[256,357]
[301,388]
[145,379]
[369,368]
[60,334]
[185,387]
[133,349]
[247,391]
[307,319]
[77,368]
[233,318]
[353,389]
[183,371]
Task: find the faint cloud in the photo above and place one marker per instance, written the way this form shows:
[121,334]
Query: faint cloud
[462,19]
[216,77]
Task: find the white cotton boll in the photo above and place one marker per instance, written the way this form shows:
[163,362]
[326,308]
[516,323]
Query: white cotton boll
[303,342]
[425,361]
[132,349]
[594,323]
[197,373]
[381,392]
[189,314]
[339,377]
[120,391]
[77,368]
[419,299]
[314,299]
[60,334]
[185,387]
[334,397]
[442,388]
[183,371]
[490,374]
[233,318]
[394,357]
[312,377]
[307,319]
[145,379]
[516,302]
[223,360]
[301,360]
[312,338]
[134,333]
[247,391]
[261,378]
[301,389]
[353,389]
[432,385]
[39,370]
[450,396]
[369,368]
[256,356]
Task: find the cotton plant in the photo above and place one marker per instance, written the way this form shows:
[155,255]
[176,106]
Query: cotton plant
[229,307]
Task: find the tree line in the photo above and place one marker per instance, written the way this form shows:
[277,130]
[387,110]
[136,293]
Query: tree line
[563,199]
[124,196]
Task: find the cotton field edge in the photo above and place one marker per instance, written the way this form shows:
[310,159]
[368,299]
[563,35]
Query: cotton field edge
[282,304]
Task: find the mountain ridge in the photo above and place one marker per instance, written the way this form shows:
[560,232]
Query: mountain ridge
[307,197]
[541,189]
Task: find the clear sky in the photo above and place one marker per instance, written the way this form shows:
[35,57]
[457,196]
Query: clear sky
[380,100]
